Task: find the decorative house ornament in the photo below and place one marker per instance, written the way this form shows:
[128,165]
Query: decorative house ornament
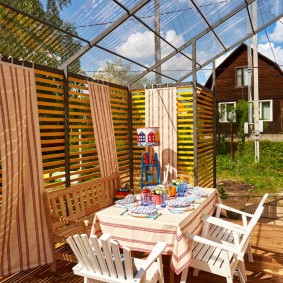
[148,136]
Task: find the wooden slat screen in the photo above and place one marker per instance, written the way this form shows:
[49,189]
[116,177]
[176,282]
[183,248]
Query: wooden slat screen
[119,100]
[185,145]
[84,164]
[50,96]
[205,124]
[138,121]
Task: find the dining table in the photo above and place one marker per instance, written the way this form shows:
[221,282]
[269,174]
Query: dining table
[142,233]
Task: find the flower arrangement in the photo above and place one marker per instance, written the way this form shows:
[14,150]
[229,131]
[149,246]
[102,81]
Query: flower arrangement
[158,190]
[177,182]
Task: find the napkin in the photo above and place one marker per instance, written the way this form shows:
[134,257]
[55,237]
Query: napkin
[142,210]
[177,203]
[127,200]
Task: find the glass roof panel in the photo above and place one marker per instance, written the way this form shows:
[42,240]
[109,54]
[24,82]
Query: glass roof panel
[232,30]
[179,20]
[26,38]
[149,80]
[70,25]
[267,10]
[102,65]
[176,67]
[128,4]
[214,10]
[134,41]
[204,53]
[90,18]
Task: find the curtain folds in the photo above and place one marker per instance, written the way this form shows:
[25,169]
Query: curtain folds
[24,240]
[161,111]
[103,128]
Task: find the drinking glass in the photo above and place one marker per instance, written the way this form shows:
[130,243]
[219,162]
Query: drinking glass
[151,202]
[144,200]
[163,199]
[181,188]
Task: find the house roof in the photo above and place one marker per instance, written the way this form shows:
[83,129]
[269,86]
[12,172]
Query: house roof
[137,40]
[227,61]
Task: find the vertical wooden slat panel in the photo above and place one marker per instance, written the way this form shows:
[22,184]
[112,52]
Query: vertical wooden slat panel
[49,89]
[119,107]
[205,122]
[138,121]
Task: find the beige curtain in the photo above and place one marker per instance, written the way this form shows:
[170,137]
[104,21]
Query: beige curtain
[161,111]
[103,128]
[24,241]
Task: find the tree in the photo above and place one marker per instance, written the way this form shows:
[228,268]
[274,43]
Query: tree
[118,72]
[32,40]
[242,110]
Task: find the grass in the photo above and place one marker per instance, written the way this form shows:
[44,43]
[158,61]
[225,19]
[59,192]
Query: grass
[265,176]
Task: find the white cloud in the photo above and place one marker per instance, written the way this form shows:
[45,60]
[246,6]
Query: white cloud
[140,45]
[266,50]
[277,34]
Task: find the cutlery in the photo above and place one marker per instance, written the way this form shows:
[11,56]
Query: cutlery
[176,211]
[124,212]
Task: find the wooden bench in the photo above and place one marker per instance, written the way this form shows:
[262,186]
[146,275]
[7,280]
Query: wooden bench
[71,211]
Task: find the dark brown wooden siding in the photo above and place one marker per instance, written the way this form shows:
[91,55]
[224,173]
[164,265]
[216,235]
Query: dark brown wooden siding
[270,85]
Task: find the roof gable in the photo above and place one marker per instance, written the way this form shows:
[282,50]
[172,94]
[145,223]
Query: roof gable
[233,56]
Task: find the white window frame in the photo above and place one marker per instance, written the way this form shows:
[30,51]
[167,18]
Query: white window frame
[271,110]
[225,120]
[242,77]
[260,109]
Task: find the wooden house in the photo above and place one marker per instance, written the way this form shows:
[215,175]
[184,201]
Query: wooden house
[232,85]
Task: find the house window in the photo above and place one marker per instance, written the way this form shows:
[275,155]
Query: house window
[227,112]
[242,77]
[266,110]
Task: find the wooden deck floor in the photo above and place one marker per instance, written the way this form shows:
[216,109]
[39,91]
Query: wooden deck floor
[267,244]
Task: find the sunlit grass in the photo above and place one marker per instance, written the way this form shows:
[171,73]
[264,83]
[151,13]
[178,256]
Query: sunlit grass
[265,176]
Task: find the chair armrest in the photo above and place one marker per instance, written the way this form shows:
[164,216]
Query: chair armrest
[155,253]
[224,223]
[222,206]
[83,223]
[196,238]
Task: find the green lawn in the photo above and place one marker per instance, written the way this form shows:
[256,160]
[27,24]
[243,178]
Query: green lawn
[265,176]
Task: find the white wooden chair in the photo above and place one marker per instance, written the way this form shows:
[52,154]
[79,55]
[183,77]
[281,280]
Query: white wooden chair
[220,255]
[101,260]
[220,228]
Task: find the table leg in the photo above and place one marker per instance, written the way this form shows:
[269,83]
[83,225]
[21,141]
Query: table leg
[184,275]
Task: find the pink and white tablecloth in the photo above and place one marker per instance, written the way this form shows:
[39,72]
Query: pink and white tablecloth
[141,234]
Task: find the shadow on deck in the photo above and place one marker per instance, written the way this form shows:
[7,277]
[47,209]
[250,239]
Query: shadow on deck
[267,246]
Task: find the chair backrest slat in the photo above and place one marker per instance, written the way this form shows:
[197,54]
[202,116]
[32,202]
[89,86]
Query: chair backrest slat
[106,246]
[91,254]
[101,259]
[99,254]
[81,247]
[117,259]
[77,252]
[128,263]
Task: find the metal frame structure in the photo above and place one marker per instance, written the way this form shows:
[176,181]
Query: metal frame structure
[132,13]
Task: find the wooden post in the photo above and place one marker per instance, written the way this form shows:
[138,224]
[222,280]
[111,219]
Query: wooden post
[66,128]
[195,122]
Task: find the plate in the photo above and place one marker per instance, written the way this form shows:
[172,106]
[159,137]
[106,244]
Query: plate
[192,197]
[140,215]
[190,207]
[127,204]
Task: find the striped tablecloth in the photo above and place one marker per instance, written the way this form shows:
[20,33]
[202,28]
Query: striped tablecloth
[141,234]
